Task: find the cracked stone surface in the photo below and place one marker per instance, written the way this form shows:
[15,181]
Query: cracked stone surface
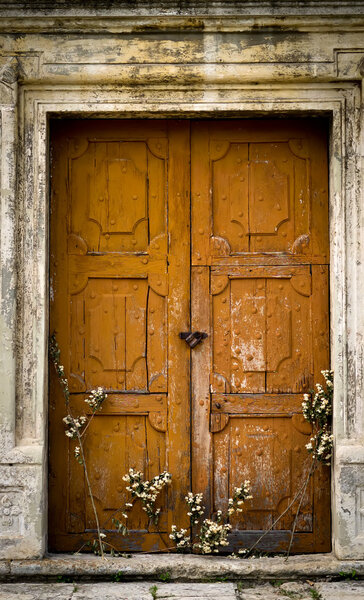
[275,591]
[74,591]
[34,591]
[190,591]
[154,590]
[120,591]
[341,590]
[149,567]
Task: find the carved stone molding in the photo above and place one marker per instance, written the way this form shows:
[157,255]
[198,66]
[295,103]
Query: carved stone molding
[116,16]
[20,499]
[9,75]
[10,511]
[15,68]
[9,71]
[147,60]
[360,511]
[349,63]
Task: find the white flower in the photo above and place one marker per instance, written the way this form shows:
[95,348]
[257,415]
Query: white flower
[96,398]
[147,491]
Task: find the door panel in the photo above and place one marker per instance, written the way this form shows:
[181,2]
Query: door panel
[125,186]
[260,290]
[127,307]
[259,193]
[120,191]
[261,314]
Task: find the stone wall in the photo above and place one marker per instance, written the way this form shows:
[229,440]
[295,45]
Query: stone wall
[156,59]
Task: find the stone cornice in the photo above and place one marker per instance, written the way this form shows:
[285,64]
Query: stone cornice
[183,7]
[77,23]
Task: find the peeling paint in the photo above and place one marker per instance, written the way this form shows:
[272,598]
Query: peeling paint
[280,60]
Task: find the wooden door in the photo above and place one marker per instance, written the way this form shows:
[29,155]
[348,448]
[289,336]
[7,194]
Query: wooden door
[119,208]
[260,289]
[123,253]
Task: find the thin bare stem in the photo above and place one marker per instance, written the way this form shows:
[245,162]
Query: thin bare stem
[87,425]
[64,385]
[163,541]
[87,479]
[79,550]
[278,518]
[111,546]
[158,551]
[313,466]
[91,495]
[115,512]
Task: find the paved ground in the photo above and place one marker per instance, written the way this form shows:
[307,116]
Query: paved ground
[183,591]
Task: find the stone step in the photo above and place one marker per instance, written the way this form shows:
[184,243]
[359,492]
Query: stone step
[178,567]
[183,591]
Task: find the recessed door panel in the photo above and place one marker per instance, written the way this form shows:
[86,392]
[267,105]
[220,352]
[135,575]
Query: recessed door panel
[259,193]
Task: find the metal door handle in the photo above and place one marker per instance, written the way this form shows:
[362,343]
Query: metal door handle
[192,338]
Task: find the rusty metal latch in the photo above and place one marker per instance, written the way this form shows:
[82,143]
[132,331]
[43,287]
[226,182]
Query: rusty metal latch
[192,338]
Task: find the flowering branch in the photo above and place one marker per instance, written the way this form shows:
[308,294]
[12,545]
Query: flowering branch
[147,491]
[212,533]
[74,427]
[317,410]
[196,509]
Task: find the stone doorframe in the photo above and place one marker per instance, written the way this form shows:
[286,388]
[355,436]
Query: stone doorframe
[25,114]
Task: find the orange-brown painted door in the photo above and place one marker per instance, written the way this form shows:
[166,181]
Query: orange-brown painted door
[124,253]
[260,289]
[119,208]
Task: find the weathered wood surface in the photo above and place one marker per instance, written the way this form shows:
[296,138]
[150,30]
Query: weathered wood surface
[110,307]
[122,261]
[260,228]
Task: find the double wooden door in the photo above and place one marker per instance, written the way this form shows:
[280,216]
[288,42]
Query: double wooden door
[160,227]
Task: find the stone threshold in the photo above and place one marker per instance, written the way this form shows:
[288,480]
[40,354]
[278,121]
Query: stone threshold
[177,567]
